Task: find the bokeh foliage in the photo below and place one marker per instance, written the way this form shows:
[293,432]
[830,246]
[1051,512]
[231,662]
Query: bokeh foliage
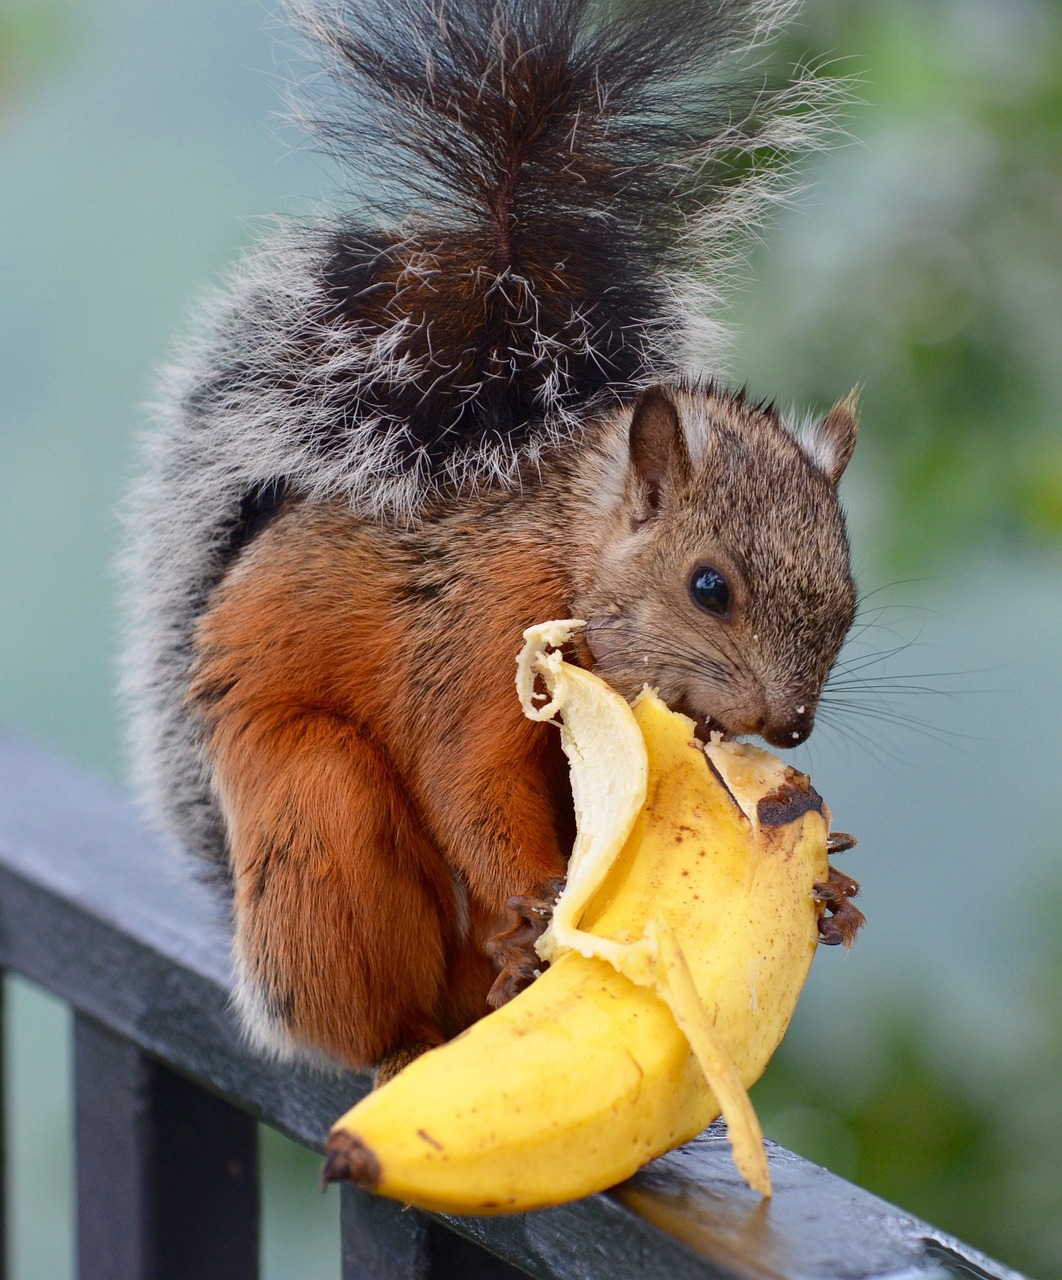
[927,266]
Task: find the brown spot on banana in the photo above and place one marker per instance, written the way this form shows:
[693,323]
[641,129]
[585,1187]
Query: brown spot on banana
[795,797]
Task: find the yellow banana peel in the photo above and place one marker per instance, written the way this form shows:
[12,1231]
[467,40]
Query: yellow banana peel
[676,953]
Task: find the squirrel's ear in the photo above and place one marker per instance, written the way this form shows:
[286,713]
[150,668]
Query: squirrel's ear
[830,442]
[660,459]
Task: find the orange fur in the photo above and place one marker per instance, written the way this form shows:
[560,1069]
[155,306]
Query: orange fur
[383,794]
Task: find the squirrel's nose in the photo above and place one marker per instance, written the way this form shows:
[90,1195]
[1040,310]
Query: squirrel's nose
[792,729]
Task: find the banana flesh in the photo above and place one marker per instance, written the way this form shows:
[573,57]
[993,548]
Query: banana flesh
[676,955]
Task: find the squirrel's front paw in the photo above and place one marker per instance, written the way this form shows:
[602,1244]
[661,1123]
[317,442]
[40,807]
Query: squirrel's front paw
[840,920]
[513,952]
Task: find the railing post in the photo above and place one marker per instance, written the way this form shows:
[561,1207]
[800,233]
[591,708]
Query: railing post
[167,1173]
[384,1241]
[381,1240]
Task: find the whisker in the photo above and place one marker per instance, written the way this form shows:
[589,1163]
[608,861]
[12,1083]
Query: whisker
[858,661]
[683,663]
[864,596]
[878,750]
[660,647]
[893,684]
[940,734]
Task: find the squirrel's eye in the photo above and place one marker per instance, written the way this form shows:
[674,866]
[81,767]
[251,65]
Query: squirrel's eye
[709,590]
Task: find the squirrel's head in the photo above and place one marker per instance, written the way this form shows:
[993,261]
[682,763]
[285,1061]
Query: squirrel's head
[724,579]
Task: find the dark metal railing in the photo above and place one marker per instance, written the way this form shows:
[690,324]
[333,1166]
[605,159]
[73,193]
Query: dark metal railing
[167,1097]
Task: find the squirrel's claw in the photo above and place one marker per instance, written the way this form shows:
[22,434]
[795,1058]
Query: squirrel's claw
[840,920]
[513,951]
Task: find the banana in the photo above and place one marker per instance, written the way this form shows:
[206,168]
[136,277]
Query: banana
[676,954]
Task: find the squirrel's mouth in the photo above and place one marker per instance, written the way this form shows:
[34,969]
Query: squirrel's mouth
[705,726]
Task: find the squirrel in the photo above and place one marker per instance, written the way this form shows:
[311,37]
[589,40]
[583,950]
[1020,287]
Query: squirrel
[405,434]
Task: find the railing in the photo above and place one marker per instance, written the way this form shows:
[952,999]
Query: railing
[167,1097]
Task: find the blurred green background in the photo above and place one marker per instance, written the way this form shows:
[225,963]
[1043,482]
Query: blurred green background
[139,146]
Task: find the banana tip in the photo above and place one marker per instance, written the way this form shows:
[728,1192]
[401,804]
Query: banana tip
[348,1159]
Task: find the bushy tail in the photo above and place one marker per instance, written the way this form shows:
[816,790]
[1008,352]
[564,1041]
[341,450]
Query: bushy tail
[559,184]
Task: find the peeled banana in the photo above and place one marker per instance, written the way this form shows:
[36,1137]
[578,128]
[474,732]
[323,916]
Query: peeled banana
[676,954]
